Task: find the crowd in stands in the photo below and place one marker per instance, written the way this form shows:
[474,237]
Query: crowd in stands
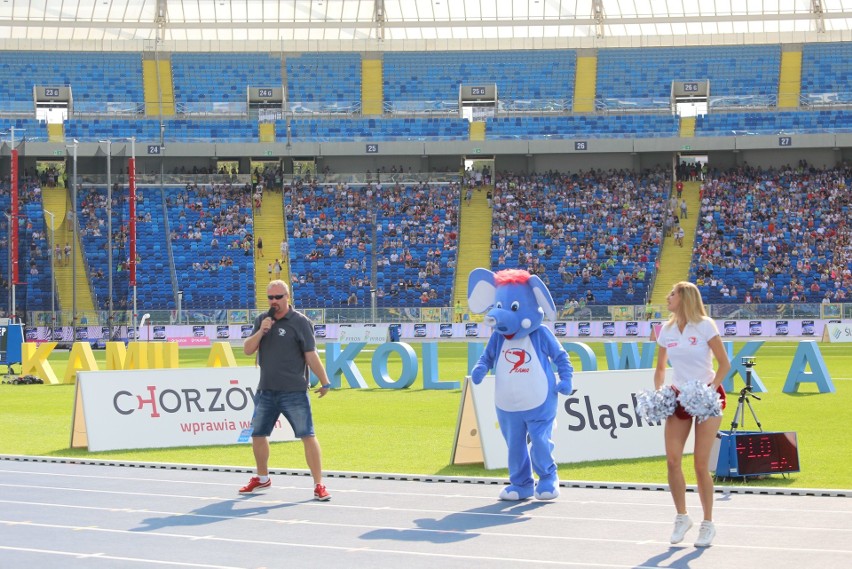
[417,229]
[212,230]
[329,232]
[333,228]
[593,237]
[775,235]
[764,236]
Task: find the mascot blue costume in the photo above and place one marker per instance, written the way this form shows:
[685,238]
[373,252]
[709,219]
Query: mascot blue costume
[520,351]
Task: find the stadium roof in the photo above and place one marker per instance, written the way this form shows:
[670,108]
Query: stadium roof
[316,25]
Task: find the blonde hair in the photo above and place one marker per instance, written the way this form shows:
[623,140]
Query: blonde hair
[277,283]
[691,307]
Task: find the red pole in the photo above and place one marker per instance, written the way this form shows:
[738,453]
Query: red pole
[131,166]
[14,228]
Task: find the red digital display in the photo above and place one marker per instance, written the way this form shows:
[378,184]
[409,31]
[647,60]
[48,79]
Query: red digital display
[767,453]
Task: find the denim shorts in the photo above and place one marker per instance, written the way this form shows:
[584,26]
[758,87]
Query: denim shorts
[294,405]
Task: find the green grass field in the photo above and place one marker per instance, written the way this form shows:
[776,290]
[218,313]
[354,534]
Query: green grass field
[411,431]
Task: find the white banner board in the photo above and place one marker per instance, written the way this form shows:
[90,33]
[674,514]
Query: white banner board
[164,408]
[367,333]
[597,422]
[839,332]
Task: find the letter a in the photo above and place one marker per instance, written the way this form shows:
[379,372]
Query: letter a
[80,359]
[808,353]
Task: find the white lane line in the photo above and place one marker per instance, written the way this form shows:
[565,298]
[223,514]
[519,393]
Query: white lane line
[77,555]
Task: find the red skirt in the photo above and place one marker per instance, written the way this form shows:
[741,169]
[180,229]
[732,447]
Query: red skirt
[681,413]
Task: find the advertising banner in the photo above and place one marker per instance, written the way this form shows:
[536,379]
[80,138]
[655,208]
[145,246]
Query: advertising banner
[839,332]
[598,422]
[168,408]
[367,333]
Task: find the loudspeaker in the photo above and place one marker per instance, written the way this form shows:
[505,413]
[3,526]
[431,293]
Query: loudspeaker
[754,453]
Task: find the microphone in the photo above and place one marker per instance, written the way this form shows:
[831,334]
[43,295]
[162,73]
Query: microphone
[271,313]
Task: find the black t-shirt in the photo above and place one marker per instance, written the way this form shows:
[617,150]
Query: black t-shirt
[281,353]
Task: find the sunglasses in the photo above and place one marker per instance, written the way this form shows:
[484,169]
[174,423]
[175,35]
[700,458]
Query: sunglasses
[275,296]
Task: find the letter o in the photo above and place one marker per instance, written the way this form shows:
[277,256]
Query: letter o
[380,365]
[176,396]
[242,395]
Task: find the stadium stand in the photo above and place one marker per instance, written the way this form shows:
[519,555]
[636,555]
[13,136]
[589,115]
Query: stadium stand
[330,231]
[764,122]
[570,227]
[100,82]
[827,74]
[174,130]
[641,78]
[374,130]
[417,248]
[526,80]
[778,236]
[324,82]
[34,251]
[222,77]
[586,232]
[561,127]
[212,246]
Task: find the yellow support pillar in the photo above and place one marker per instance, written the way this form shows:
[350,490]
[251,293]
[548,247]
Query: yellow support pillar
[477,130]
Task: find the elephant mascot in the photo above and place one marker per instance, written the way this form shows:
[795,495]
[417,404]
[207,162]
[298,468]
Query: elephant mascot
[520,351]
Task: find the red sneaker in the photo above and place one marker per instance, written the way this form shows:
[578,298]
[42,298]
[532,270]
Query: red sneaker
[321,494]
[255,484]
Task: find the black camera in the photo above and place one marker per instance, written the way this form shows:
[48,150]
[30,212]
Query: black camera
[748,361]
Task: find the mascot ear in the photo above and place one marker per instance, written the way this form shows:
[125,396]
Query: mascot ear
[543,297]
[480,290]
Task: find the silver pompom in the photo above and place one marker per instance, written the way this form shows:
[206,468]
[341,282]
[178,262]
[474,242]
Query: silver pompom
[656,405]
[700,400]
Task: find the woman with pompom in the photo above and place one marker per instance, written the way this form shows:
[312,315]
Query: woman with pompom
[690,341]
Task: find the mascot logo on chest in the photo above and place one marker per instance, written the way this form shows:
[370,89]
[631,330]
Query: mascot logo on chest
[517,358]
[521,351]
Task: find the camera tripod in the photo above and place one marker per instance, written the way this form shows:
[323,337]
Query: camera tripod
[743,401]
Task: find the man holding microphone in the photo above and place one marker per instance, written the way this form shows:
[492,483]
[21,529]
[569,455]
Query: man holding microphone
[284,342]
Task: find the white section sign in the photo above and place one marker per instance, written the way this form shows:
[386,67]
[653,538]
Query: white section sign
[164,408]
[367,333]
[597,422]
[839,332]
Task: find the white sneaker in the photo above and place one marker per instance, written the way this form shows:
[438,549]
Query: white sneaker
[682,525]
[706,533]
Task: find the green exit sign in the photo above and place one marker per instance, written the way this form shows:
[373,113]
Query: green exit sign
[267,153]
[687,148]
[58,152]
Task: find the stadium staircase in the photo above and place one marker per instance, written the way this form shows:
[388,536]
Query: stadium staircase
[477,130]
[474,241]
[674,260]
[269,226]
[266,132]
[56,132]
[687,127]
[372,100]
[585,84]
[158,85]
[55,200]
[790,81]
